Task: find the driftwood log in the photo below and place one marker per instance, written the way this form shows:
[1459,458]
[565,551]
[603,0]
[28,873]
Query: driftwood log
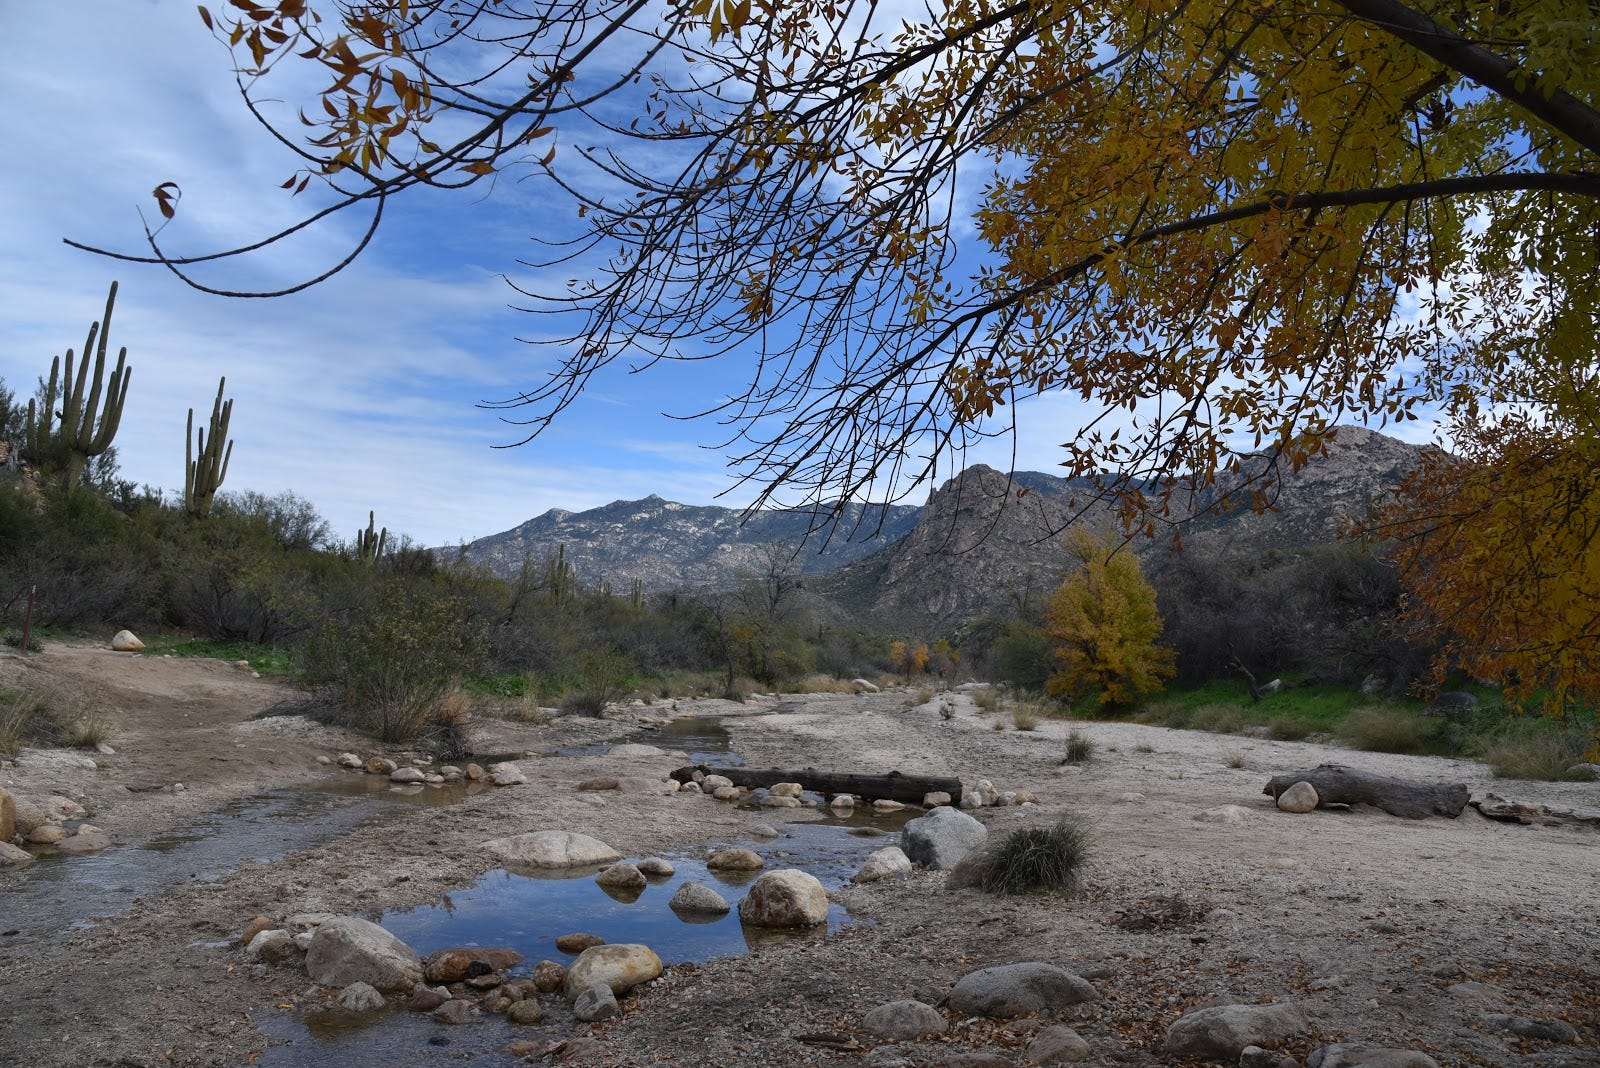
[909,789]
[1526,812]
[1337,784]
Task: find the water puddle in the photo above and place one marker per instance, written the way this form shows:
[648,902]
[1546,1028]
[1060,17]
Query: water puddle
[705,738]
[61,891]
[527,913]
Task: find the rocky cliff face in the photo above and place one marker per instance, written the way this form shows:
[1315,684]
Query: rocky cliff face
[666,545]
[981,542]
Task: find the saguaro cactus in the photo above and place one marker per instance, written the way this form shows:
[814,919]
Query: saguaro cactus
[203,475]
[371,543]
[81,428]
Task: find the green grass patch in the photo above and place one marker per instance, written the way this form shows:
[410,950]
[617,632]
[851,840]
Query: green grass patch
[1386,728]
[269,660]
[1535,747]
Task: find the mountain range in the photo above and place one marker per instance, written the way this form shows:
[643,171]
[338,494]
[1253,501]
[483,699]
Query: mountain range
[983,538]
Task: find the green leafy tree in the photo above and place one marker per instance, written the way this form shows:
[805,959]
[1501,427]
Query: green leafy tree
[1102,627]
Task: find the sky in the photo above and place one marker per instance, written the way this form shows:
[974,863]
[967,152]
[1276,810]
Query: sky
[360,394]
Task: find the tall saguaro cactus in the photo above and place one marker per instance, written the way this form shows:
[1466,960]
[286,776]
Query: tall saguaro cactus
[371,543]
[203,475]
[81,428]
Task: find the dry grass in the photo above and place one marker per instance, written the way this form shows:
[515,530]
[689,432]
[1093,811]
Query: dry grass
[37,718]
[1218,719]
[88,732]
[1536,754]
[1039,860]
[1234,759]
[1025,715]
[987,699]
[820,683]
[1286,729]
[1387,729]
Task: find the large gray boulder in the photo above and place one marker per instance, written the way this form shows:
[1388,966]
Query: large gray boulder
[941,838]
[785,898]
[1221,1032]
[1011,990]
[550,849]
[619,967]
[347,949]
[698,899]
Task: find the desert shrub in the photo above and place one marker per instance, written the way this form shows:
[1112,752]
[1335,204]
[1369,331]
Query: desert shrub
[1164,713]
[28,717]
[605,676]
[1039,860]
[1534,751]
[88,731]
[387,665]
[987,699]
[1386,729]
[1234,759]
[449,726]
[819,683]
[1080,749]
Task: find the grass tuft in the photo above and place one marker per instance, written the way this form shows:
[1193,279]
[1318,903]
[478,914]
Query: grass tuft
[1039,860]
[1025,715]
[1080,750]
[1535,751]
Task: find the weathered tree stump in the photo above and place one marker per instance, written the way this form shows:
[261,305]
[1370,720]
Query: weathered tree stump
[909,789]
[1526,812]
[1338,784]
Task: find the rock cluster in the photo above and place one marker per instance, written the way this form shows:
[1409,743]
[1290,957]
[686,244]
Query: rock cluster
[50,821]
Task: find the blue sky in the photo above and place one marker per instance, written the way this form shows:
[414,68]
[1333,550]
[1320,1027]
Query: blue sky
[359,394]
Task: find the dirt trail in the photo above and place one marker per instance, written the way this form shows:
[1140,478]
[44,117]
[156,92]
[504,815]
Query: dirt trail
[1363,918]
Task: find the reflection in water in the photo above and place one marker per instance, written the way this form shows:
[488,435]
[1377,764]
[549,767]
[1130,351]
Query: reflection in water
[704,738]
[529,911]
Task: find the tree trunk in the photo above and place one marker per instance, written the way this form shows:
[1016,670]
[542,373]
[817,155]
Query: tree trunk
[1525,812]
[1337,784]
[909,789]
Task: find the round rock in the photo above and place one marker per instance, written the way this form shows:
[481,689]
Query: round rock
[735,860]
[785,898]
[888,863]
[901,1020]
[619,967]
[550,849]
[622,876]
[941,838]
[1011,990]
[697,899]
[1301,797]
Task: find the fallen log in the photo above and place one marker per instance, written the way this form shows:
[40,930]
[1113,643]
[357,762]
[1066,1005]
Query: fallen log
[1526,812]
[1338,784]
[908,789]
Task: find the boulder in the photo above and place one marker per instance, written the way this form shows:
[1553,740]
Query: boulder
[347,949]
[8,815]
[785,898]
[378,765]
[735,860]
[14,856]
[474,772]
[863,686]
[1301,797]
[548,976]
[86,840]
[637,751]
[901,1020]
[1584,772]
[941,838]
[426,999]
[842,803]
[713,783]
[124,641]
[1057,1045]
[460,963]
[1221,1032]
[525,1012]
[786,789]
[1011,990]
[656,868]
[360,998]
[888,863]
[1343,1056]
[622,876]
[271,947]
[550,849]
[577,942]
[58,809]
[407,775]
[619,968]
[349,760]
[506,773]
[697,899]
[455,1011]
[593,1005]
[935,799]
[47,834]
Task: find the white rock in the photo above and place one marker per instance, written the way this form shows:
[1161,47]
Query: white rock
[506,773]
[1228,815]
[863,686]
[349,760]
[715,782]
[619,967]
[126,642]
[786,789]
[887,863]
[550,849]
[785,898]
[407,775]
[1299,798]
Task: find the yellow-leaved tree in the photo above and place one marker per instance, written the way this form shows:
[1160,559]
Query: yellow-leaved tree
[1102,627]
[1221,225]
